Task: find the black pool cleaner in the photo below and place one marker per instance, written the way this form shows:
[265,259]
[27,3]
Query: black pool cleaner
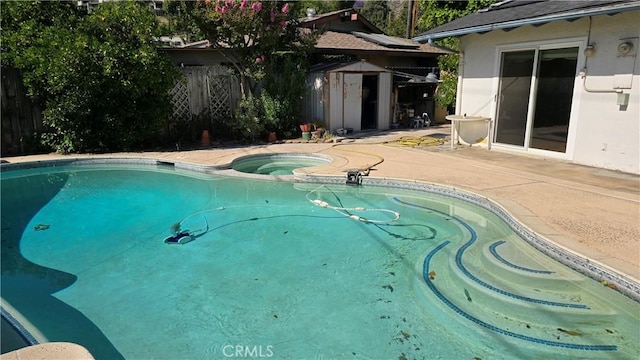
[179,238]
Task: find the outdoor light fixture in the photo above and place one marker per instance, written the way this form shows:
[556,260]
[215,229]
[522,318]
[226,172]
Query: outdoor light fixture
[431,78]
[589,50]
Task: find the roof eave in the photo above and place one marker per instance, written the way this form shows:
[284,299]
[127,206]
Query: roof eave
[533,21]
[368,52]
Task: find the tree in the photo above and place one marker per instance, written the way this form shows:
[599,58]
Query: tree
[263,43]
[179,21]
[433,14]
[397,25]
[102,83]
[323,6]
[378,12]
[246,32]
[284,91]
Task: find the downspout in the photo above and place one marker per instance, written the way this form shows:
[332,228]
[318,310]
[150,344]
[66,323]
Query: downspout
[343,97]
[460,82]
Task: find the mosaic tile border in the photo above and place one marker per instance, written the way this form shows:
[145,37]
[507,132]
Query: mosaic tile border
[17,326]
[583,265]
[79,161]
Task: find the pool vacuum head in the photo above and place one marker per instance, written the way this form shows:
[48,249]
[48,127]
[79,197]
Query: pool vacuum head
[354,177]
[179,238]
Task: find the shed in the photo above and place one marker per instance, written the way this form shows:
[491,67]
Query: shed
[353,96]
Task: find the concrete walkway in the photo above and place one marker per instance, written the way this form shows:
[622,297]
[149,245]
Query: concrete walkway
[591,211]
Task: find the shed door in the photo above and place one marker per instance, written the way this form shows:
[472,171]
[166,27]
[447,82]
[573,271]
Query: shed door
[352,106]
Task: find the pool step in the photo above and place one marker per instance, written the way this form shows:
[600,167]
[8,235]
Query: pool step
[519,297]
[515,264]
[454,292]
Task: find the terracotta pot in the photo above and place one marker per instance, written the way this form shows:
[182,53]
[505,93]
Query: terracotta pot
[305,127]
[272,137]
[205,141]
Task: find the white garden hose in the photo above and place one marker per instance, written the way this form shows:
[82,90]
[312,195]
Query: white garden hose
[347,212]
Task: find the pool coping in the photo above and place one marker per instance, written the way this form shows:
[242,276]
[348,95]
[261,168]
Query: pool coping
[582,264]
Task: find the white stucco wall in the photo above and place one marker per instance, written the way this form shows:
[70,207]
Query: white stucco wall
[601,133]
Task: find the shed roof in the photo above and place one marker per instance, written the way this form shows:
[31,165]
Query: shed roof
[510,14]
[357,66]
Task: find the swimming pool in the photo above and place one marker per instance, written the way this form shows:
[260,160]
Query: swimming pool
[290,270]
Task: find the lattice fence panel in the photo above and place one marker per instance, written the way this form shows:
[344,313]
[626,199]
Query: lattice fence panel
[220,96]
[180,100]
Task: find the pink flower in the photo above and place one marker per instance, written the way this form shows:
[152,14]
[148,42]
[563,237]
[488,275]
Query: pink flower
[283,23]
[229,3]
[256,6]
[273,16]
[224,10]
[243,4]
[258,60]
[285,8]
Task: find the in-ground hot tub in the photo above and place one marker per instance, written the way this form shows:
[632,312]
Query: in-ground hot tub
[277,164]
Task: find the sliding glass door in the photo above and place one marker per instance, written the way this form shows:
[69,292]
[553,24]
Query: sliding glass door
[534,98]
[513,103]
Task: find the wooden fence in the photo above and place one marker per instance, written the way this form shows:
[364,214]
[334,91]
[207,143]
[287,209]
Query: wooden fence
[206,93]
[20,117]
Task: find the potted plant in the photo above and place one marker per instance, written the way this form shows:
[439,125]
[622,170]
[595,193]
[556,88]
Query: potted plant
[318,129]
[306,127]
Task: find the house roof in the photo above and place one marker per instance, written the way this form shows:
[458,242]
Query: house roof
[327,19]
[348,32]
[333,42]
[510,14]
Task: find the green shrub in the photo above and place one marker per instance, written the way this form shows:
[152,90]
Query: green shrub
[248,124]
[102,83]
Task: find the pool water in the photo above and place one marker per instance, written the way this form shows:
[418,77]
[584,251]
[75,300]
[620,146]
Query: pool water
[272,274]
